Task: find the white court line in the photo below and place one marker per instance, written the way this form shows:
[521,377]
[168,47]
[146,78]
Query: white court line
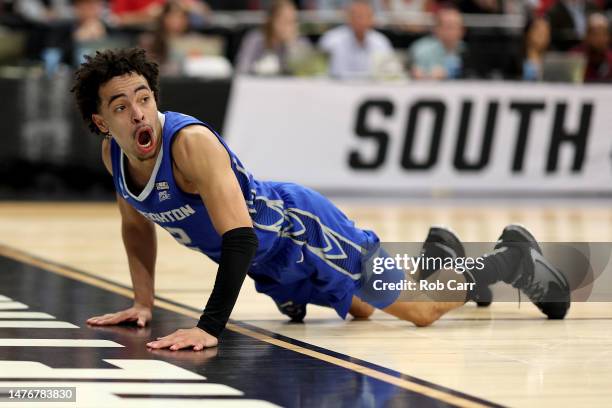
[186,389]
[123,370]
[104,395]
[25,315]
[12,306]
[57,343]
[117,402]
[34,324]
[4,298]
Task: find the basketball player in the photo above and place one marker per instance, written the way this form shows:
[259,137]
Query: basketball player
[174,170]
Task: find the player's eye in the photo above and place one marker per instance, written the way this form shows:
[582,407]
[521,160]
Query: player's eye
[119,108]
[145,99]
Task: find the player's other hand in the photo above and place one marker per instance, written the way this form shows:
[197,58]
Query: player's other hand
[137,313]
[195,338]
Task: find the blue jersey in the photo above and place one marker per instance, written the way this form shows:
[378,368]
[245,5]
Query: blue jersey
[309,251]
[182,214]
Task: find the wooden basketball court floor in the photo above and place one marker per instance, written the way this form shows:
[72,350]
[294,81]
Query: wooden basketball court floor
[63,262]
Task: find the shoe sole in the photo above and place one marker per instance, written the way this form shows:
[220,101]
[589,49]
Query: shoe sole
[447,235]
[524,232]
[533,243]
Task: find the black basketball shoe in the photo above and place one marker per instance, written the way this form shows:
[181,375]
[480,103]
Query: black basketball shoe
[295,312]
[444,243]
[537,278]
[483,296]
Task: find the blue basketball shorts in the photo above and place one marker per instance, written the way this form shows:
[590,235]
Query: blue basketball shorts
[320,256]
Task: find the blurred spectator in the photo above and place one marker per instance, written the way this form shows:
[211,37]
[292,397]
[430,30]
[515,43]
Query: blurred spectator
[355,48]
[49,33]
[406,6]
[324,5]
[596,49]
[540,7]
[389,6]
[440,55]
[199,12]
[39,11]
[481,6]
[135,12]
[91,30]
[89,25]
[269,50]
[401,8]
[230,5]
[568,20]
[535,45]
[174,45]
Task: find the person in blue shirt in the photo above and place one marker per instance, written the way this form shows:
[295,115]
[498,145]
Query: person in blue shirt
[174,170]
[440,55]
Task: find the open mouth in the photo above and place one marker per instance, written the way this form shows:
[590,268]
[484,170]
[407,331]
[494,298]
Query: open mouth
[144,138]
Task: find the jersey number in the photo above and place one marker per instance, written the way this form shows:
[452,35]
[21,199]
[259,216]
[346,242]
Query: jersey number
[182,238]
[180,235]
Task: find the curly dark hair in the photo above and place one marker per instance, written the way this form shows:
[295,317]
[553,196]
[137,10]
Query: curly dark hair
[104,66]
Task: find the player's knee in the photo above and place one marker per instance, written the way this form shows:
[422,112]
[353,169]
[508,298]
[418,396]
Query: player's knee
[362,312]
[423,320]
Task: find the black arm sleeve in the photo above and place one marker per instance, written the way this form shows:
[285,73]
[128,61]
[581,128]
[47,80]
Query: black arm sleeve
[237,250]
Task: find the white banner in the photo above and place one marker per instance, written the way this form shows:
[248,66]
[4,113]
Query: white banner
[421,137]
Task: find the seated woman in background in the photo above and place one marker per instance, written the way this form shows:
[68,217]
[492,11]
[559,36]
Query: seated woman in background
[536,41]
[89,25]
[269,50]
[174,45]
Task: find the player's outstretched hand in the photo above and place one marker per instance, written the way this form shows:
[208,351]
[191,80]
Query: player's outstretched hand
[137,313]
[195,337]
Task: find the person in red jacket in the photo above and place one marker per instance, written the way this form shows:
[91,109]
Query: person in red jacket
[136,12]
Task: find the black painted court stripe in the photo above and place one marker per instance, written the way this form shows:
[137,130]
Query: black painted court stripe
[400,380]
[100,380]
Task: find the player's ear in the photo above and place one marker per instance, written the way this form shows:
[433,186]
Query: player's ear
[100,123]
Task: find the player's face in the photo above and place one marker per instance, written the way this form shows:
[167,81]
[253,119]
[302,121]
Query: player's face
[128,111]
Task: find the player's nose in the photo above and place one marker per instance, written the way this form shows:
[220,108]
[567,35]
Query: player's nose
[137,114]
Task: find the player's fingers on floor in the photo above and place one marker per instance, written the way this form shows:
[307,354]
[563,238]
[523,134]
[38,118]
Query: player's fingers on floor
[96,321]
[175,335]
[114,320]
[181,344]
[160,344]
[107,320]
[102,318]
[93,318]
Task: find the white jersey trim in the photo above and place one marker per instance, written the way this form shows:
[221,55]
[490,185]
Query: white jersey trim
[151,183]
